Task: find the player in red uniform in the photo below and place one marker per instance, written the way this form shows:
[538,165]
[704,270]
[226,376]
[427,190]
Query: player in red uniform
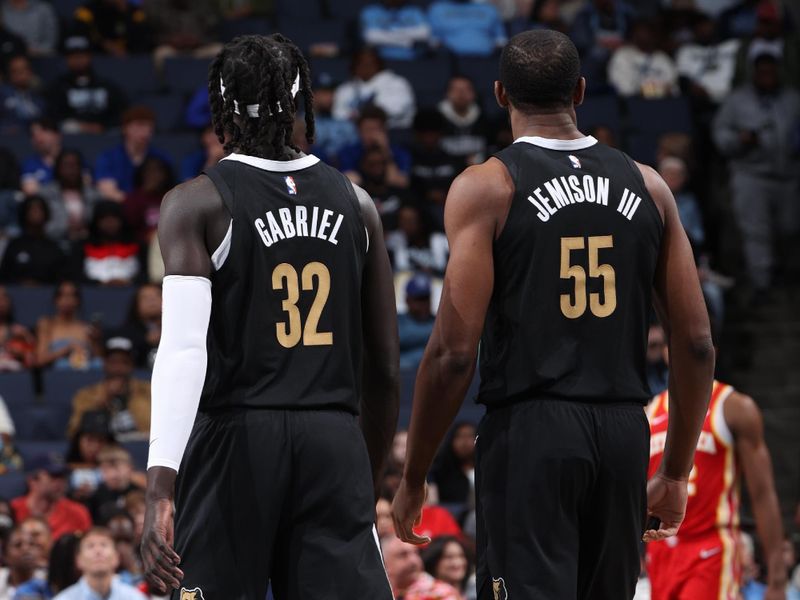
[701,562]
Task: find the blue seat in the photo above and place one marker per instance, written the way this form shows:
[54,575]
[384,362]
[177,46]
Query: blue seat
[107,305]
[336,67]
[49,68]
[138,450]
[29,449]
[643,147]
[90,145]
[600,111]
[169,110]
[18,144]
[30,303]
[347,9]
[41,422]
[66,9]
[185,75]
[428,77]
[177,145]
[132,74]
[665,115]
[17,388]
[308,9]
[60,386]
[304,33]
[12,485]
[251,25]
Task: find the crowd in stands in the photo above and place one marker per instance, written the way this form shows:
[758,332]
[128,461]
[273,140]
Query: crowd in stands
[104,107]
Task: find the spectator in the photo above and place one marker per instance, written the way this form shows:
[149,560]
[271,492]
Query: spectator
[70,198]
[10,44]
[447,559]
[116,168]
[110,255]
[32,258]
[770,36]
[34,21]
[83,455]
[20,102]
[707,64]
[371,83]
[116,27]
[416,324]
[433,169]
[124,398]
[198,111]
[372,133]
[80,100]
[657,371]
[183,27]
[10,196]
[45,498]
[600,28]
[143,326]
[116,469]
[37,170]
[756,130]
[398,31]
[466,27]
[98,560]
[466,129]
[21,557]
[211,151]
[374,175]
[639,68]
[415,246]
[41,538]
[64,341]
[10,460]
[17,345]
[142,206]
[546,14]
[63,571]
[675,174]
[122,528]
[454,470]
[406,575]
[331,134]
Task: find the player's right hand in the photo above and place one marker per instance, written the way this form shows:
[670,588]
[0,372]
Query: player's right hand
[666,500]
[407,512]
[160,560]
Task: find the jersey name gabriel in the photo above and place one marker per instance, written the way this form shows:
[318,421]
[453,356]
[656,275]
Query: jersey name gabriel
[303,221]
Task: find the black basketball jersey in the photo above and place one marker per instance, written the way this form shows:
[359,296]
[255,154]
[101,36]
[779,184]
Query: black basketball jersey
[574,268]
[285,328]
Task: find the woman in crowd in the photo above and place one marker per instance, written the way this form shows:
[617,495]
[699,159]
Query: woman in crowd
[64,340]
[93,434]
[143,326]
[70,198]
[449,560]
[142,206]
[415,246]
[32,257]
[17,344]
[454,470]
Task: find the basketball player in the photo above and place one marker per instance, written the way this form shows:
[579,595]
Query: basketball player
[702,561]
[556,243]
[279,323]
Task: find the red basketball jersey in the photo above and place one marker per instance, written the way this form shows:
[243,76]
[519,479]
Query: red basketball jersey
[714,480]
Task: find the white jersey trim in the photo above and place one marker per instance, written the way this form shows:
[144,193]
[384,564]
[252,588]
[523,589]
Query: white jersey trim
[224,248]
[555,144]
[279,166]
[720,425]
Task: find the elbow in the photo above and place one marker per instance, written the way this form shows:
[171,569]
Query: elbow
[699,348]
[458,362]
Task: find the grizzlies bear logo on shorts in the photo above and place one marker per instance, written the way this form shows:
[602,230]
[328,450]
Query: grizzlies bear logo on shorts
[499,589]
[192,594]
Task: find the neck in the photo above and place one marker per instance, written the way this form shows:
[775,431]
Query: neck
[19,575]
[268,153]
[135,151]
[461,110]
[559,125]
[100,583]
[39,505]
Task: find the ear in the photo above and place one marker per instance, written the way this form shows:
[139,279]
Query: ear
[580,92]
[500,94]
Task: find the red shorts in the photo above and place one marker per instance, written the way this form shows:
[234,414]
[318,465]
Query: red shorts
[696,568]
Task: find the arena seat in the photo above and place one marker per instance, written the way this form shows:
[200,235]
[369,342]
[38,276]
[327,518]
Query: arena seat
[49,68]
[17,388]
[133,74]
[41,422]
[307,32]
[107,305]
[185,75]
[308,9]
[169,109]
[250,25]
[177,145]
[12,484]
[659,116]
[30,303]
[90,144]
[428,76]
[29,449]
[336,67]
[600,111]
[60,386]
[18,144]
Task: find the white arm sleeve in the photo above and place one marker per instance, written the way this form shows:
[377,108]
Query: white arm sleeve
[180,367]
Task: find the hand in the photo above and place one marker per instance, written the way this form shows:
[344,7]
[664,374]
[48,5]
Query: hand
[158,558]
[666,499]
[775,592]
[407,512]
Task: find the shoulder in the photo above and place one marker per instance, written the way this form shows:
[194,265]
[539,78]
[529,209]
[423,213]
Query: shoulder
[489,180]
[742,414]
[191,197]
[76,509]
[658,190]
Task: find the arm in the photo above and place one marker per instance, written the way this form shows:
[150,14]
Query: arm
[680,305]
[745,422]
[380,378]
[477,203]
[180,366]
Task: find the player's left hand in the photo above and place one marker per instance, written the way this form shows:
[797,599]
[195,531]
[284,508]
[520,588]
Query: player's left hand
[774,592]
[160,560]
[666,500]
[407,512]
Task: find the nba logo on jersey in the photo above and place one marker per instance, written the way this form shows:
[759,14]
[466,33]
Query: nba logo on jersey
[576,164]
[291,186]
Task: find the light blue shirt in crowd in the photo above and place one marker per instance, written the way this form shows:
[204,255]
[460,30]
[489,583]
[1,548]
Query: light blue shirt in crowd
[82,591]
[467,28]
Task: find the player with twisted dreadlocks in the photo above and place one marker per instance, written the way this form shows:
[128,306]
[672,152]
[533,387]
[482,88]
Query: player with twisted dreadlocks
[274,395]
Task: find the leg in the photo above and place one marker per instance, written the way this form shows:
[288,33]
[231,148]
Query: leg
[228,504]
[536,468]
[751,206]
[331,549]
[663,571]
[613,523]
